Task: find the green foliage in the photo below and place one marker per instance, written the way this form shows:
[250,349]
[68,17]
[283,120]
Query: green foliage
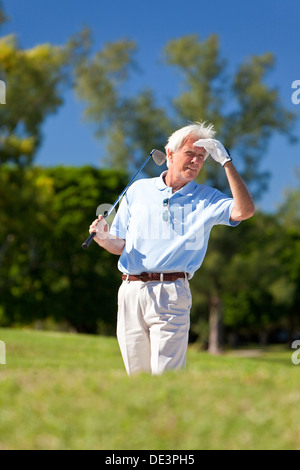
[44,272]
[130,126]
[202,70]
[254,270]
[37,79]
[34,78]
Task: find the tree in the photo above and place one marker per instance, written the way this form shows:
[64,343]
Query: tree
[129,125]
[36,81]
[289,218]
[44,217]
[252,280]
[253,275]
[245,111]
[82,285]
[25,224]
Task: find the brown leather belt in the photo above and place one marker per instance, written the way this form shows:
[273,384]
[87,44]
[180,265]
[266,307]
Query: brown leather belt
[146,277]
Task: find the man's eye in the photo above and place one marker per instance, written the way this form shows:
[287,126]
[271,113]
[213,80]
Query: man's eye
[191,154]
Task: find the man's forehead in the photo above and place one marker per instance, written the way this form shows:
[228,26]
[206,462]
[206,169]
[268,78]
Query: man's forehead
[189,144]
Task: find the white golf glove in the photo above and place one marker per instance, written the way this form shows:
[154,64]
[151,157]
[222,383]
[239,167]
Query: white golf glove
[216,150]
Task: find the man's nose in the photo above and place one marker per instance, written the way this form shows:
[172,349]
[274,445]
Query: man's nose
[196,159]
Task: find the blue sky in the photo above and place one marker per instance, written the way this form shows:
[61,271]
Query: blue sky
[244,28]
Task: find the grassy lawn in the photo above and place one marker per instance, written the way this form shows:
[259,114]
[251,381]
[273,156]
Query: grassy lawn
[67,391]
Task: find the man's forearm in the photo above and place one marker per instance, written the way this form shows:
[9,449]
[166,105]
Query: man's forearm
[243,205]
[113,245]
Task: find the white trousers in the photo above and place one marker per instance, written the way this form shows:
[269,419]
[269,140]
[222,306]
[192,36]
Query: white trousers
[153,325]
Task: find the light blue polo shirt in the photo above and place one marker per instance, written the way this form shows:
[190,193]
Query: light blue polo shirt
[165,231]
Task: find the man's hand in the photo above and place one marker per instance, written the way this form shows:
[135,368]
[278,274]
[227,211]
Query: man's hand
[101,227]
[216,150]
[110,243]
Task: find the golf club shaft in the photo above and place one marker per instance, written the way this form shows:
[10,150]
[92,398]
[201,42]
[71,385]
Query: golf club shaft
[88,241]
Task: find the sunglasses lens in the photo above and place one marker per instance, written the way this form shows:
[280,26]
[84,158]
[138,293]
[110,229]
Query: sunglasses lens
[165,216]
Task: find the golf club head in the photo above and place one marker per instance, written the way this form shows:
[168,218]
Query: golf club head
[159,157]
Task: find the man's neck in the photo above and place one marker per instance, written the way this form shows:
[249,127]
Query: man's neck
[174,183]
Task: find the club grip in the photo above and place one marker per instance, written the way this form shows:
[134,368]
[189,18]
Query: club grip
[88,241]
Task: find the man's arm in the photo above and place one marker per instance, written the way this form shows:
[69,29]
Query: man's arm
[243,205]
[112,244]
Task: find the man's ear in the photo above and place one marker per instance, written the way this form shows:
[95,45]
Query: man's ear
[170,155]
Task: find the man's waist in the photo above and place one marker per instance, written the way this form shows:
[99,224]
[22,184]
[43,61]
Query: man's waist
[146,277]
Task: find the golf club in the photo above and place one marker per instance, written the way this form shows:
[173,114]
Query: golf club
[159,158]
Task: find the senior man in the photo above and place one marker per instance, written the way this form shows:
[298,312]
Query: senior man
[161,233]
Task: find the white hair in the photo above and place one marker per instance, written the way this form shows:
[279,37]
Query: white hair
[197,129]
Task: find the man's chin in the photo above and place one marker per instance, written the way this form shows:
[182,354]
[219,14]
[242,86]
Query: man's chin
[191,174]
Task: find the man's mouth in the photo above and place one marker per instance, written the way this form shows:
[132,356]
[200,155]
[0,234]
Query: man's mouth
[191,168]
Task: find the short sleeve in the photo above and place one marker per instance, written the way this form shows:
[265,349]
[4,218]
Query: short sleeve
[121,220]
[222,206]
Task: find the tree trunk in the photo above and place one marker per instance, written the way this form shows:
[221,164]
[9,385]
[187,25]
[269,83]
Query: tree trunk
[215,326]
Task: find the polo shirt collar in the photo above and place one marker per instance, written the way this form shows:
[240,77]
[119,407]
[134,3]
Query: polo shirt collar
[159,182]
[185,190]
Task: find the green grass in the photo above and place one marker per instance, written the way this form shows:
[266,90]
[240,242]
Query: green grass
[67,391]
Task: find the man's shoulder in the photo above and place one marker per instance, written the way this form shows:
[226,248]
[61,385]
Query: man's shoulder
[205,189]
[209,193]
[142,185]
[143,182]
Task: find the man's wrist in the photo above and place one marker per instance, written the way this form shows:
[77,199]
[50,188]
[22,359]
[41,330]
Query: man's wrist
[227,161]
[101,241]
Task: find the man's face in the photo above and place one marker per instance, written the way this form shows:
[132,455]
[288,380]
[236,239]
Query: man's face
[186,163]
